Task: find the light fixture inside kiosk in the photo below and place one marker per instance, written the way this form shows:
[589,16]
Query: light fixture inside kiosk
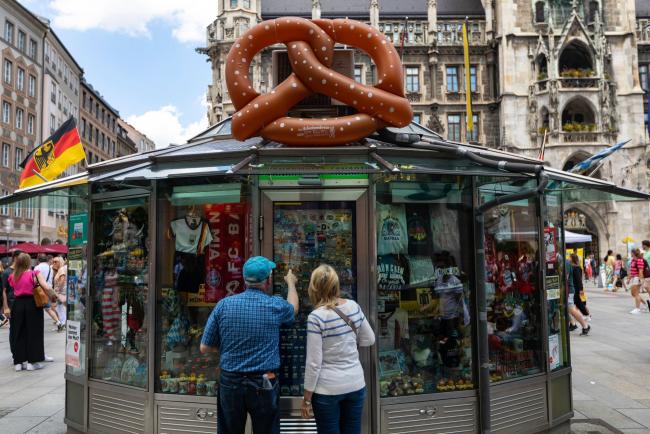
[204,194]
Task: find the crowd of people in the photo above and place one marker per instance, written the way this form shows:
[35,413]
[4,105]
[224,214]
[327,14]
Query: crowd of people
[19,280]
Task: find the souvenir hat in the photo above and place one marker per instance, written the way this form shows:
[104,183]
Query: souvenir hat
[257,269]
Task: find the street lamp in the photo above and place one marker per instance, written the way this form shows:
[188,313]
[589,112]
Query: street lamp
[8,227]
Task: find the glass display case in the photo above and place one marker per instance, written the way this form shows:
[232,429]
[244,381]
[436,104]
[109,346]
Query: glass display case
[512,285]
[305,235]
[424,276]
[203,240]
[555,284]
[119,334]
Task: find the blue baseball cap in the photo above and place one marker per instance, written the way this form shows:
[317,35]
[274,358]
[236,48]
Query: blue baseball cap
[257,269]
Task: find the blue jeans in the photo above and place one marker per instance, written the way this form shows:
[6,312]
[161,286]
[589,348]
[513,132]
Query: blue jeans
[338,414]
[241,394]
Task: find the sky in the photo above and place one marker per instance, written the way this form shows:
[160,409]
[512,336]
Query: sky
[139,54]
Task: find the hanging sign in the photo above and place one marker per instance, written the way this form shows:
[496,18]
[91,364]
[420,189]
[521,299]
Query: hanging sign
[310,46]
[73,344]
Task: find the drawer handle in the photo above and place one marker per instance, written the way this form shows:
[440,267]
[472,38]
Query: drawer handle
[203,414]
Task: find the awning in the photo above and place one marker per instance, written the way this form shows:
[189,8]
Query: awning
[572,237]
[45,188]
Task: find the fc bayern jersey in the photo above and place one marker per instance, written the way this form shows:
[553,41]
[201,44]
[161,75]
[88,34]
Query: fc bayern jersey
[190,239]
[392,236]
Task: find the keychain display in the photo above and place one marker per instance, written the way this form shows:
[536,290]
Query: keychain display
[306,235]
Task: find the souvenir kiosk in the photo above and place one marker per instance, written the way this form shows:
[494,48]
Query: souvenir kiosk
[455,252]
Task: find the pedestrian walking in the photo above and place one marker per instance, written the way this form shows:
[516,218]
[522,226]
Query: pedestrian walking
[60,287]
[588,270]
[575,316]
[46,271]
[334,382]
[579,296]
[8,296]
[593,266]
[619,271]
[636,272]
[27,320]
[245,329]
[609,262]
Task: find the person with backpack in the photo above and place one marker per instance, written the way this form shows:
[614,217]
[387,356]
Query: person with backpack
[637,272]
[335,388]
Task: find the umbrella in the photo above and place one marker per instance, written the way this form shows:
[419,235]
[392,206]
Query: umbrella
[56,248]
[30,248]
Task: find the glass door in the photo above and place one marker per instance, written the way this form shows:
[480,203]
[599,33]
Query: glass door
[301,230]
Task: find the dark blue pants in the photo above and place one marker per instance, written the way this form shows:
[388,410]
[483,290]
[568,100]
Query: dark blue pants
[242,394]
[338,414]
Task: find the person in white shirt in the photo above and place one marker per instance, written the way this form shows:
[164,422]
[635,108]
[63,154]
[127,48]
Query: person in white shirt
[48,273]
[335,388]
[60,285]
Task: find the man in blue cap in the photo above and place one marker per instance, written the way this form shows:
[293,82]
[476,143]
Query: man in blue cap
[245,328]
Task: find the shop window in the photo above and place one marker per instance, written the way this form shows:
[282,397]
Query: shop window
[119,337]
[358,73]
[555,284]
[424,269]
[473,80]
[452,79]
[204,240]
[413,79]
[512,285]
[453,127]
[472,136]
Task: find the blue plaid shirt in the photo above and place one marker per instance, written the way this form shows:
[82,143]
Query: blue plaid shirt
[246,329]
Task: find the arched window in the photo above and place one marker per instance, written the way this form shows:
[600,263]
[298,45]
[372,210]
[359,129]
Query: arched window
[576,60]
[539,12]
[578,116]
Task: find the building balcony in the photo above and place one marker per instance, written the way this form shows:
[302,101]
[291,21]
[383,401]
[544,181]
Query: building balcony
[542,85]
[579,82]
[414,96]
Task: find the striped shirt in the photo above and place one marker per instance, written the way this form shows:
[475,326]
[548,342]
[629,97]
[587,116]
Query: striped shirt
[332,366]
[635,266]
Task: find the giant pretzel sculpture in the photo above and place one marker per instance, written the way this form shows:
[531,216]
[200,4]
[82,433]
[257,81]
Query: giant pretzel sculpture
[310,46]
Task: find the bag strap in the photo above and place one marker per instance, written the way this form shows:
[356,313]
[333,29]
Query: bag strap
[34,279]
[346,318]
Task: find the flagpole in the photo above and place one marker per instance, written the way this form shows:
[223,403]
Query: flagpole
[469,118]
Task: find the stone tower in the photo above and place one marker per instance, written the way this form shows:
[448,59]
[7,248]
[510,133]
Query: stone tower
[234,17]
[569,78]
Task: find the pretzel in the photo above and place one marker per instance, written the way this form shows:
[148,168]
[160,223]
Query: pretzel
[310,45]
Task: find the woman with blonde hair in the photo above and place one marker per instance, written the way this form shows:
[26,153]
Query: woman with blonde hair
[26,318]
[334,381]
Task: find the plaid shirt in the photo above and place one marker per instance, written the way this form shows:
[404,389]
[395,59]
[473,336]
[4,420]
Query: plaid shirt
[246,329]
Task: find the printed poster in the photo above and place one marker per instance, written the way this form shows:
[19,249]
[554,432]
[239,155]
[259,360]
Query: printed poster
[554,351]
[73,344]
[78,229]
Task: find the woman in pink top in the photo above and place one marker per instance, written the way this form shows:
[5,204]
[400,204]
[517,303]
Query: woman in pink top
[636,278]
[26,318]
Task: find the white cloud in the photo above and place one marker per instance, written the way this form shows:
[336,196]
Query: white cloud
[163,126]
[187,18]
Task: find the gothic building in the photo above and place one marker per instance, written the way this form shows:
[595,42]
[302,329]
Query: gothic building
[568,76]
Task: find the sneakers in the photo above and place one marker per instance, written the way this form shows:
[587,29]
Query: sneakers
[586,331]
[572,327]
[36,366]
[635,311]
[18,367]
[60,327]
[48,358]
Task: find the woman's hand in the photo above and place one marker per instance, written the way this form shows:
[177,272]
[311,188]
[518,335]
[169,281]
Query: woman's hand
[290,278]
[7,312]
[306,410]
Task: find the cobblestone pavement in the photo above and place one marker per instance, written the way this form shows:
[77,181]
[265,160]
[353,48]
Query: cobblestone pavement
[33,402]
[611,367]
[611,376]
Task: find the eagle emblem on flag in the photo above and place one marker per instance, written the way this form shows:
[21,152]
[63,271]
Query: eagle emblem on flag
[44,155]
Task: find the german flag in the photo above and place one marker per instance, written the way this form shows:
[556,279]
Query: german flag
[60,151]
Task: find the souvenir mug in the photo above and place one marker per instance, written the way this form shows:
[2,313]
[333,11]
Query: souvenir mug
[172,385]
[183,387]
[211,388]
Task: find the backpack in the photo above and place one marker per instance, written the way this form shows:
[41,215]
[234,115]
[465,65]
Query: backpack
[646,269]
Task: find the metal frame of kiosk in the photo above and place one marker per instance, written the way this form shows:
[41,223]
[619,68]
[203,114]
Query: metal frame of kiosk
[133,400]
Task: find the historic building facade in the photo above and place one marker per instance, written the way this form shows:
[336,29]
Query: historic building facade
[567,76]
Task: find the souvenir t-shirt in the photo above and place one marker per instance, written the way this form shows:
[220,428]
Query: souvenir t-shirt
[418,231]
[421,269]
[392,272]
[392,236]
[190,238]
